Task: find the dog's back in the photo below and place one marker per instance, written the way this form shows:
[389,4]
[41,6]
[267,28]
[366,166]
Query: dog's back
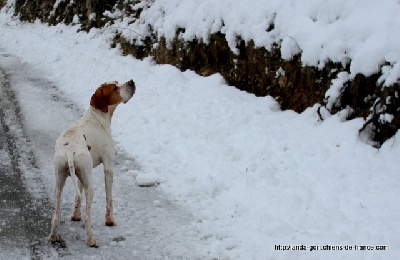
[72,156]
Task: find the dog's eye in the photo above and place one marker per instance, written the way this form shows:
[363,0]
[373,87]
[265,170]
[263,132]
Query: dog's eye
[115,88]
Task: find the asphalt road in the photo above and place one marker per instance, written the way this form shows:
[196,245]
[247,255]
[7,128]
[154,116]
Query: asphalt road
[23,227]
[14,239]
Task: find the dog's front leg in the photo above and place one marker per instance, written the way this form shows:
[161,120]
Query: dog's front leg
[108,176]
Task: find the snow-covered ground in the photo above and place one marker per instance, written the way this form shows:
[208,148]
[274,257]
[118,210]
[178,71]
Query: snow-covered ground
[252,176]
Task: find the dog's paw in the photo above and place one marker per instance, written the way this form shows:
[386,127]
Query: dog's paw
[76,214]
[91,242]
[54,238]
[76,218]
[110,223]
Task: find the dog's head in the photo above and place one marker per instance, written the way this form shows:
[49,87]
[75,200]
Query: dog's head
[112,93]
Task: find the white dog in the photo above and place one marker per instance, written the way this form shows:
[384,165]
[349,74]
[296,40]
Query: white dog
[84,146]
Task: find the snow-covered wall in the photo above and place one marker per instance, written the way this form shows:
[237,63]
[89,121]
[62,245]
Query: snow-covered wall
[364,33]
[343,54]
[338,54]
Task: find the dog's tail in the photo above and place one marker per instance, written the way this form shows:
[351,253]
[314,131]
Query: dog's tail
[70,158]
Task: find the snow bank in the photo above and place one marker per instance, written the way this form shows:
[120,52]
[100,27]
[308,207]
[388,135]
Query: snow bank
[253,177]
[365,33]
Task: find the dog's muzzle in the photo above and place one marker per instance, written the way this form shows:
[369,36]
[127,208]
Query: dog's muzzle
[131,84]
[130,89]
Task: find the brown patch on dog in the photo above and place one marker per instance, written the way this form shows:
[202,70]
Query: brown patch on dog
[107,94]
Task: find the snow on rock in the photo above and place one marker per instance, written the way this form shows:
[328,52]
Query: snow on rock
[365,32]
[386,118]
[333,92]
[147,179]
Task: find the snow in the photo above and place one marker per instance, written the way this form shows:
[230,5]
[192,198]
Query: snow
[386,118]
[147,179]
[334,91]
[364,33]
[252,176]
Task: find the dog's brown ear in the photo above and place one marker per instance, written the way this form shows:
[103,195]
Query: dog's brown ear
[99,101]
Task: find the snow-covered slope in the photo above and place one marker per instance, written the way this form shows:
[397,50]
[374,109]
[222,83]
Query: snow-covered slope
[254,177]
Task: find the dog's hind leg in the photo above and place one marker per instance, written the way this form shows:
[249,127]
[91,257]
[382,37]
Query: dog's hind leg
[83,165]
[76,213]
[90,241]
[61,176]
[89,192]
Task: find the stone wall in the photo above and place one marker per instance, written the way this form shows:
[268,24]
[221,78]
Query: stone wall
[88,12]
[255,70]
[294,86]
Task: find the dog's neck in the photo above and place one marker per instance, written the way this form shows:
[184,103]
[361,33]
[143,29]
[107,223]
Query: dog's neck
[104,117]
[111,110]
